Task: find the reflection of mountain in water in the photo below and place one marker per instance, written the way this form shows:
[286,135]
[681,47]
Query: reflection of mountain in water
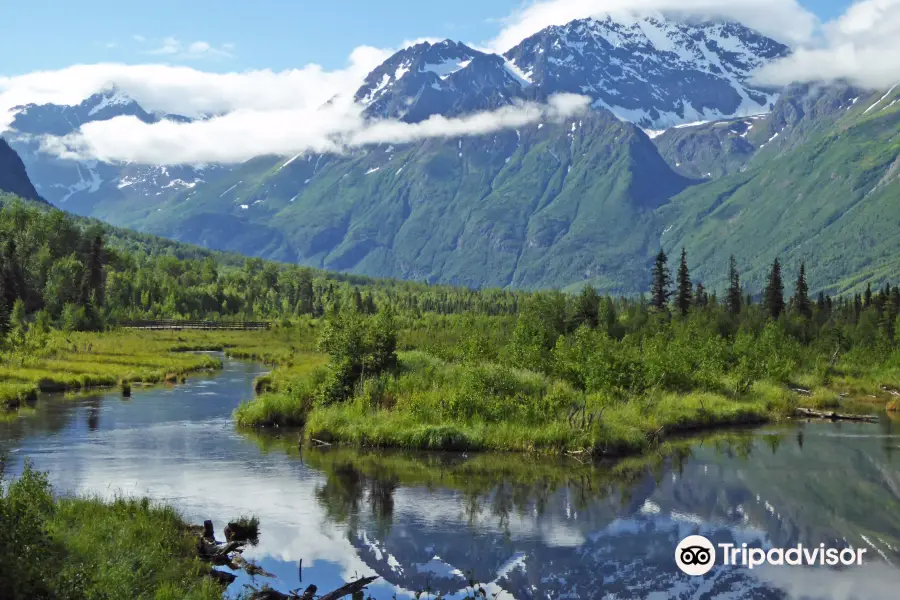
[584,532]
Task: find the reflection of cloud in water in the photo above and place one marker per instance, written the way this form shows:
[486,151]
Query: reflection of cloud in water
[867,582]
[180,446]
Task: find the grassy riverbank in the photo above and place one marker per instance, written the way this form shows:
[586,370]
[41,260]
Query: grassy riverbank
[58,362]
[77,548]
[586,392]
[438,405]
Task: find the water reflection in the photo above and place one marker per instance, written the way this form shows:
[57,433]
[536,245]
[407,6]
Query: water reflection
[523,526]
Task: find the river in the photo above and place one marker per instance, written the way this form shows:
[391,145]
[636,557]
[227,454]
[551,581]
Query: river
[524,527]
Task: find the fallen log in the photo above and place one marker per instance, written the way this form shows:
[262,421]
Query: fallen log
[222,577]
[217,554]
[309,593]
[350,588]
[251,569]
[208,531]
[353,587]
[833,416]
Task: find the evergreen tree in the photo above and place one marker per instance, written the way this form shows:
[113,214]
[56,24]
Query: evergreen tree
[4,313]
[820,302]
[660,291]
[733,295]
[867,301]
[700,296]
[587,308]
[888,316]
[774,294]
[801,294]
[92,272]
[684,296]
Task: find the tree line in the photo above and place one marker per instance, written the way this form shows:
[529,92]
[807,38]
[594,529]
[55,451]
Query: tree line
[72,273]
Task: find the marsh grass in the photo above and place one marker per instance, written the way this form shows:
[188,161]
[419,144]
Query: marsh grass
[64,362]
[87,548]
[436,405]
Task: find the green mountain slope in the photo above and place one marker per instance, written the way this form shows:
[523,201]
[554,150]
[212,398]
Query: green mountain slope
[830,200]
[545,206]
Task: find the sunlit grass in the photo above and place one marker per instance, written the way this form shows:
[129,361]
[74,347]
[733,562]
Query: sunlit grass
[89,548]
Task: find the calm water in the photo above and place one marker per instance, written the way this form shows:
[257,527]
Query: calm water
[524,527]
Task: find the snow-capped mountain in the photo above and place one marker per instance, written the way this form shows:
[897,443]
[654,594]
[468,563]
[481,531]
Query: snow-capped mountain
[651,71]
[448,78]
[84,187]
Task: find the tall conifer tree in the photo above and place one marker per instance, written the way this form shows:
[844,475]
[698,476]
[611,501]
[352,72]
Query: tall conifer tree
[801,294]
[684,296]
[774,294]
[660,291]
[733,295]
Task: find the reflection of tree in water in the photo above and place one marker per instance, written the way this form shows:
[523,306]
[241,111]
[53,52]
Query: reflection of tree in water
[342,494]
[50,416]
[888,444]
[381,498]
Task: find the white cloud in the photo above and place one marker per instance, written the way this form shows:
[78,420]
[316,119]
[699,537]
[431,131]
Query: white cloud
[189,91]
[246,133]
[862,46]
[173,47]
[784,20]
[139,38]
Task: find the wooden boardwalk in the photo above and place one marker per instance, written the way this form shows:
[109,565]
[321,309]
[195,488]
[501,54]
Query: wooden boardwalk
[189,324]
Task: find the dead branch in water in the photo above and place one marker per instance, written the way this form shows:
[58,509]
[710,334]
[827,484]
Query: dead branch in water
[833,416]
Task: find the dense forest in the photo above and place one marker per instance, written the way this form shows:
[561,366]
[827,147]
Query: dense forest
[80,274]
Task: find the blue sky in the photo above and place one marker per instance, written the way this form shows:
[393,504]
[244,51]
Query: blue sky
[241,35]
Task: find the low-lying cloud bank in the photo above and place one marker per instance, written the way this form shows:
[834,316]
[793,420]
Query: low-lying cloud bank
[862,47]
[784,20]
[244,134]
[308,109]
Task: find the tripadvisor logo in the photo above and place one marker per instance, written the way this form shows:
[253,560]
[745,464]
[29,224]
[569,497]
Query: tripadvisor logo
[696,555]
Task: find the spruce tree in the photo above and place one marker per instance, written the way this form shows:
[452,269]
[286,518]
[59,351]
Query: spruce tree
[660,291]
[587,308]
[733,295]
[867,301]
[774,294]
[684,296]
[700,296]
[801,294]
[4,313]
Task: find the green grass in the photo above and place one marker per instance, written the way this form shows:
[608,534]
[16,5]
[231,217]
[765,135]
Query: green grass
[87,548]
[63,362]
[433,404]
[13,394]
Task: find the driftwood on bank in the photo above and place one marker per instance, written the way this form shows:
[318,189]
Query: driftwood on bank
[348,589]
[833,416]
[228,554]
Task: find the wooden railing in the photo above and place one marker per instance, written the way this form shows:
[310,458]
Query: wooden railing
[191,324]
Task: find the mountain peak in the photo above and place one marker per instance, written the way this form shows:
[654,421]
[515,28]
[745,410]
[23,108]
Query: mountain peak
[113,97]
[650,70]
[59,119]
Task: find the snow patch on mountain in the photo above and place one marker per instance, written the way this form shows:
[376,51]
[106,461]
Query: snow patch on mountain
[113,98]
[651,71]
